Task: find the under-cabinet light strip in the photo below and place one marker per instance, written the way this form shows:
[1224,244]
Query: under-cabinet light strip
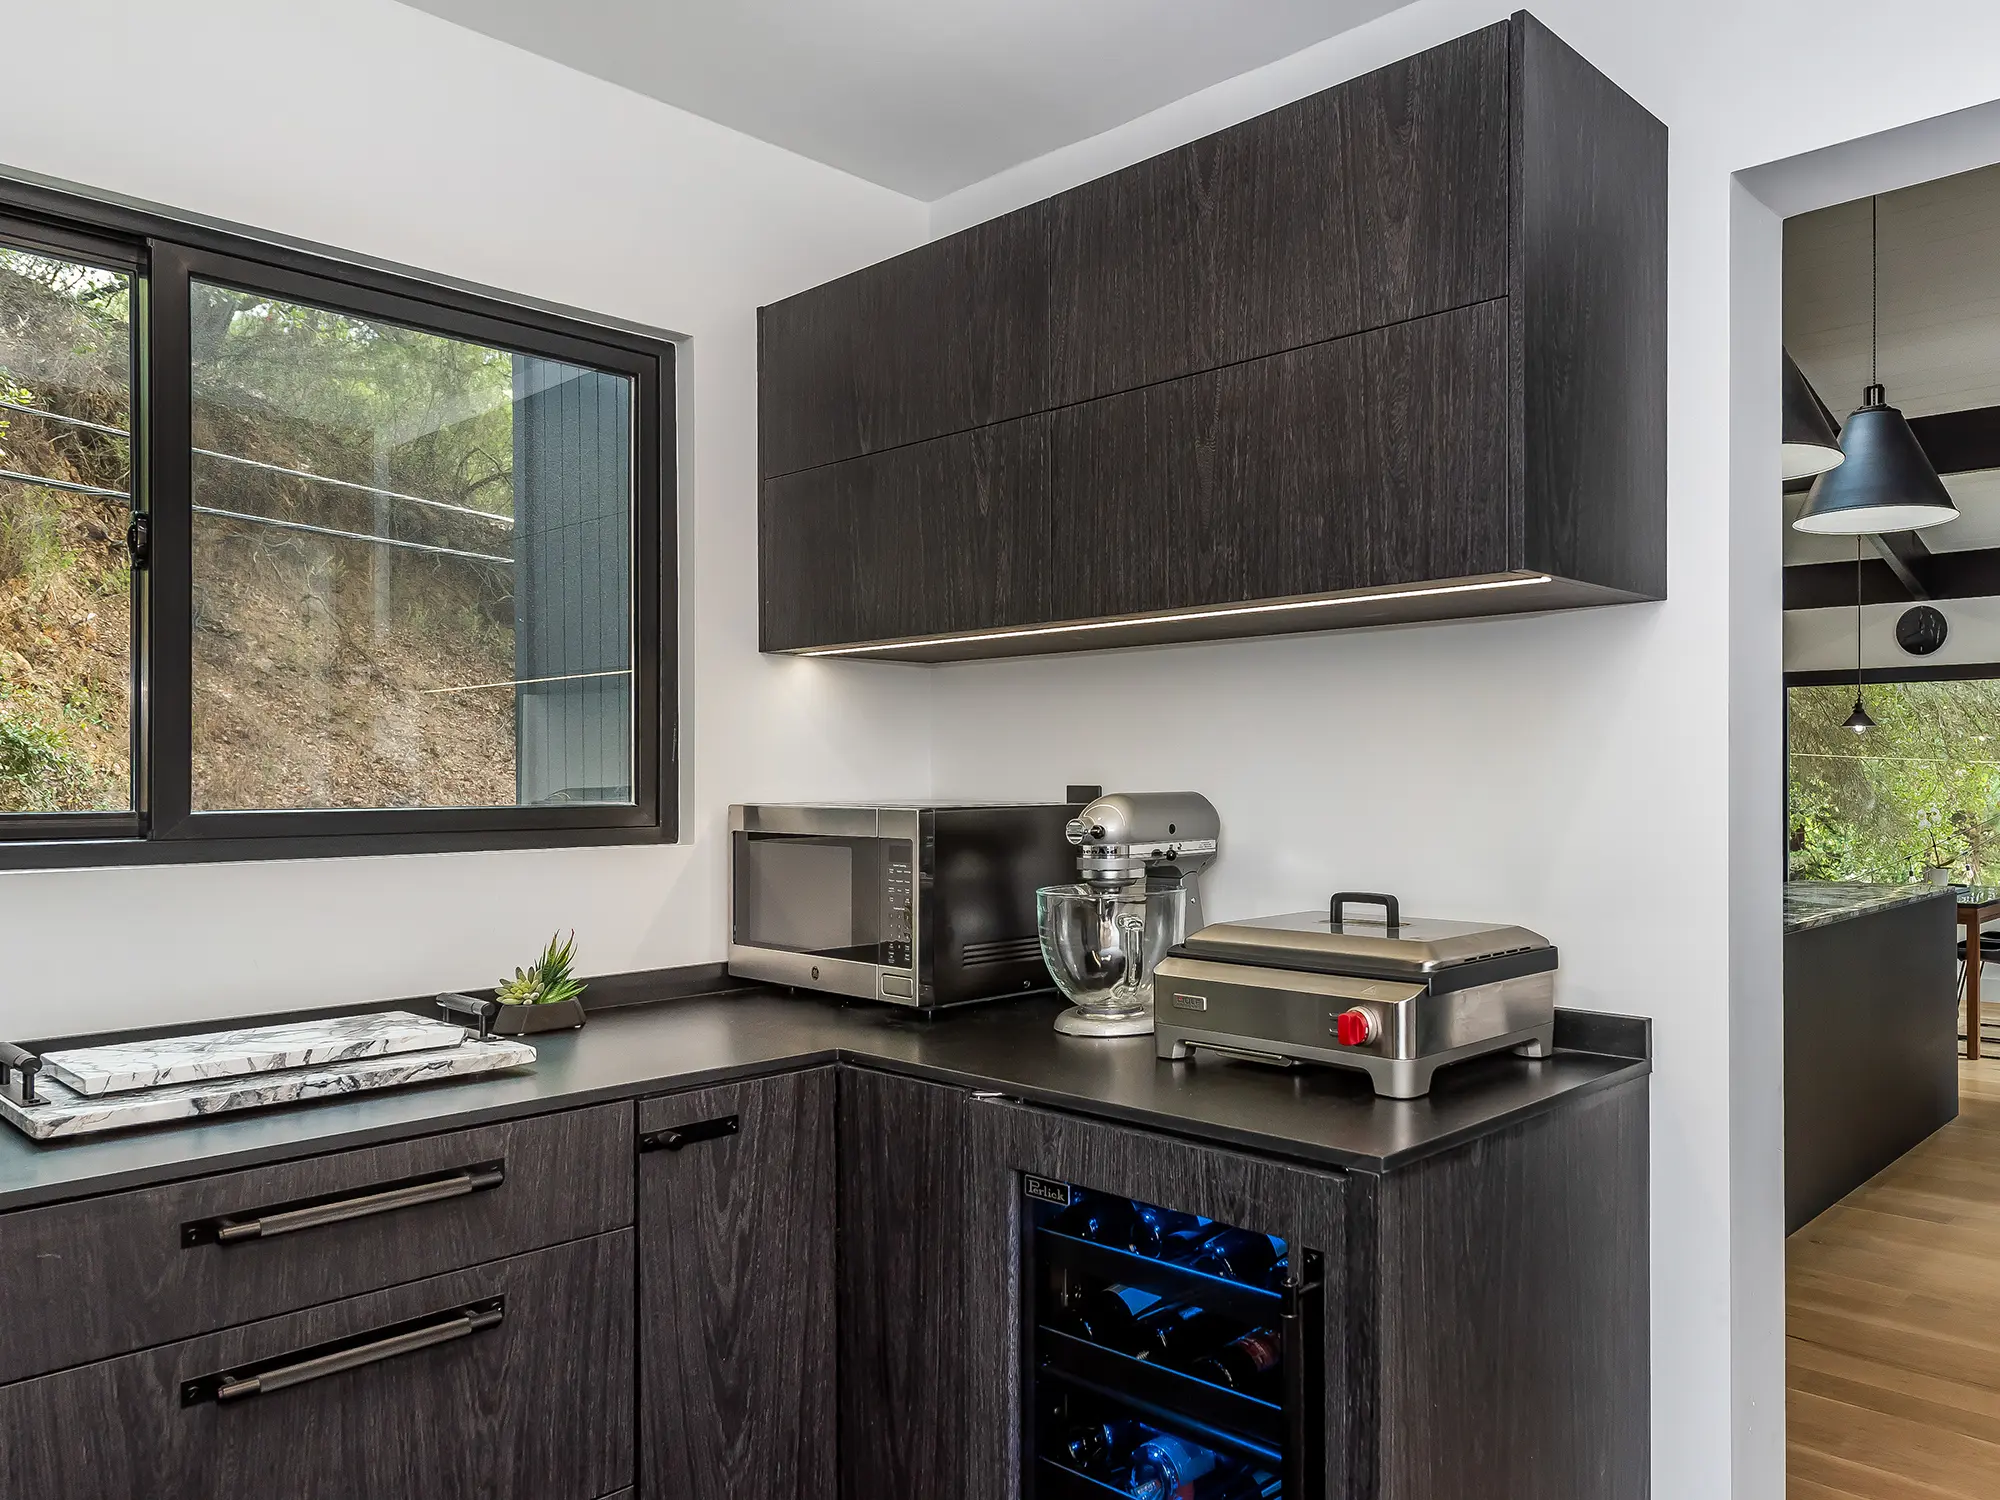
[1170,619]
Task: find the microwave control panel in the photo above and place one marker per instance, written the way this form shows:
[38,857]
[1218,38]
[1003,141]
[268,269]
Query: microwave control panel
[897,889]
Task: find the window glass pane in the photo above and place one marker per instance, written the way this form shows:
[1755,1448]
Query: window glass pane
[1919,791]
[412,566]
[65,576]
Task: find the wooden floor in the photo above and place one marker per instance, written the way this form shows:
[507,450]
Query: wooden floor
[1893,1307]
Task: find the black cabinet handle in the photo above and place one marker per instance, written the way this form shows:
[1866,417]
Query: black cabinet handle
[236,1229]
[18,1068]
[483,1012]
[1365,898]
[1304,1378]
[348,1354]
[675,1137]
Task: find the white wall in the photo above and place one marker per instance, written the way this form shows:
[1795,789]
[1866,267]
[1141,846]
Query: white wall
[379,129]
[1609,778]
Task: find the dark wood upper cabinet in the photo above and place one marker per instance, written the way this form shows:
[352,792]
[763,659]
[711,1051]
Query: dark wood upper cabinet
[1356,463]
[1396,351]
[1379,200]
[947,535]
[947,336]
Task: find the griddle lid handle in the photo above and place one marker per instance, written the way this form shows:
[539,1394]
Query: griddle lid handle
[1366,898]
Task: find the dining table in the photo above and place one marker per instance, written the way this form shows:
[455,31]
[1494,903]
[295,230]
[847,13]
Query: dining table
[1977,905]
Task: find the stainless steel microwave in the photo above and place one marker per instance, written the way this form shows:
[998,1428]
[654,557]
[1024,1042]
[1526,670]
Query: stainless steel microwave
[921,904]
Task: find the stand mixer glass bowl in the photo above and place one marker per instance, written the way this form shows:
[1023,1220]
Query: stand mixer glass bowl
[1101,946]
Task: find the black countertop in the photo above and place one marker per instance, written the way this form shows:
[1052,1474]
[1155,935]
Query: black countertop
[1328,1116]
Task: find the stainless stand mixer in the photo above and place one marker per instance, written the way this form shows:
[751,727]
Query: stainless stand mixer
[1141,855]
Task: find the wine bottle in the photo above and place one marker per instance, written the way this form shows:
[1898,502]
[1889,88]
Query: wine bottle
[1181,1246]
[1100,1219]
[1179,1333]
[1089,1448]
[1109,1316]
[1248,1364]
[1166,1468]
[1155,1229]
[1239,1255]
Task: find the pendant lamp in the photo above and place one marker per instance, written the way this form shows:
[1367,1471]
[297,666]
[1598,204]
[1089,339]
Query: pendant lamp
[1886,483]
[1858,721]
[1812,442]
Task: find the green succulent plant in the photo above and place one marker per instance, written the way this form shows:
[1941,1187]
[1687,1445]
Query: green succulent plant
[546,981]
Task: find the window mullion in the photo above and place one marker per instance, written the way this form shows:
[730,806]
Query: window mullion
[167,652]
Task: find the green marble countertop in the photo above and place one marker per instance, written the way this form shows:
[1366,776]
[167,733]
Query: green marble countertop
[1821,903]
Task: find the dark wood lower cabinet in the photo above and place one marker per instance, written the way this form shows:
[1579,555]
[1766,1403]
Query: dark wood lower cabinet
[1483,1328]
[902,1287]
[110,1275]
[1504,1289]
[823,1299]
[537,1404]
[1300,1205]
[736,1292]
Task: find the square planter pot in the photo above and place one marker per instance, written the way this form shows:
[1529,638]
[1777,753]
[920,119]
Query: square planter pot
[526,1020]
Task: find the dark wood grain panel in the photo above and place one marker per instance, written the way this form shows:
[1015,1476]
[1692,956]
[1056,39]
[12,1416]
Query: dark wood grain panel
[1589,305]
[1381,199]
[948,336]
[949,535]
[110,1274]
[1004,1140]
[1509,1282]
[538,1408]
[901,1306]
[1858,1094]
[1368,461]
[736,1301]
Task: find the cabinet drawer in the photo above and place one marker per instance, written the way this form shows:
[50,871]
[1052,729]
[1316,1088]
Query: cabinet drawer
[113,1274]
[509,1380]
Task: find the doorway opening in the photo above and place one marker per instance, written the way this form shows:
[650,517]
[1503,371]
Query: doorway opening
[1891,713]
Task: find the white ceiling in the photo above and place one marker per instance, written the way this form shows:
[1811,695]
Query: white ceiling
[1939,339]
[923,96]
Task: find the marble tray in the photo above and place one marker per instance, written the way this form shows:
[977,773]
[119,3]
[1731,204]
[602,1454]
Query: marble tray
[60,1112]
[125,1066]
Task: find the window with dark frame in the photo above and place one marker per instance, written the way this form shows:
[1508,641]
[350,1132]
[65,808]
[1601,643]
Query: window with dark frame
[1919,792]
[303,557]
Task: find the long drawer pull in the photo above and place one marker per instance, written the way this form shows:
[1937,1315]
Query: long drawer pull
[675,1137]
[334,1359]
[236,1229]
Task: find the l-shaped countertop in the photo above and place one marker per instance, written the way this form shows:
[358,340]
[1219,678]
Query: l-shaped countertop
[1326,1116]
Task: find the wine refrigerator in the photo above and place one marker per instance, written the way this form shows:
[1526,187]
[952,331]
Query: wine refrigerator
[1165,1356]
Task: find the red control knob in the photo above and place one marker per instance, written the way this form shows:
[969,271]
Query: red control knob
[1354,1028]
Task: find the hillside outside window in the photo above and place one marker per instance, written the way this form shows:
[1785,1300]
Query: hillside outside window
[301,558]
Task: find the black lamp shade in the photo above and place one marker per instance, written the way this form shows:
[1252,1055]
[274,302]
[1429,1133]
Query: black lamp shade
[1858,721]
[1812,443]
[1886,484]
